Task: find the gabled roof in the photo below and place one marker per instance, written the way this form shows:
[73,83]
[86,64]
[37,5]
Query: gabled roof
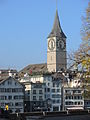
[57,30]
[10,78]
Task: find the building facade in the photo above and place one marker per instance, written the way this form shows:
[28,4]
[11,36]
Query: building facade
[12,95]
[73,98]
[37,97]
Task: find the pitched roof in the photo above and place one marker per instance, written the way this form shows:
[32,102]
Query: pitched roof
[34,69]
[10,78]
[57,30]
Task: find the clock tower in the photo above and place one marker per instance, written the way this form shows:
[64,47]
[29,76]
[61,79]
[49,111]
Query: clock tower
[56,49]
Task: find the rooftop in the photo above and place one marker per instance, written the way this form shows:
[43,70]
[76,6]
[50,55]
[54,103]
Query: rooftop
[34,69]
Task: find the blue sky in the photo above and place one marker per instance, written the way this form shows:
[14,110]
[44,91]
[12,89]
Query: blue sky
[25,25]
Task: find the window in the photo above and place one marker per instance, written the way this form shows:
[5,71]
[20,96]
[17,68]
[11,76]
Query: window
[34,97]
[75,103]
[87,103]
[78,103]
[14,90]
[66,103]
[75,97]
[48,89]
[53,101]
[66,97]
[8,90]
[19,104]
[45,96]
[1,97]
[58,95]
[40,92]
[2,90]
[48,95]
[58,90]
[21,97]
[66,91]
[19,90]
[53,96]
[9,97]
[15,83]
[57,84]
[9,82]
[81,103]
[40,98]
[53,84]
[16,97]
[69,103]
[2,104]
[79,91]
[53,90]
[69,97]
[34,91]
[58,101]
[45,89]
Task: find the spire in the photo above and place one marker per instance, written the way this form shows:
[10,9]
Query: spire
[57,31]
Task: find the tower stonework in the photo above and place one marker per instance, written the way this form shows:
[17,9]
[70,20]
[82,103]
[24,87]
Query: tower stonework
[56,49]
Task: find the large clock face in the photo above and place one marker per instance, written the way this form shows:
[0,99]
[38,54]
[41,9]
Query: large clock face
[51,44]
[60,44]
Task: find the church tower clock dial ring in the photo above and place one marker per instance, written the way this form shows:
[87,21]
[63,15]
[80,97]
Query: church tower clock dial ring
[51,44]
[60,44]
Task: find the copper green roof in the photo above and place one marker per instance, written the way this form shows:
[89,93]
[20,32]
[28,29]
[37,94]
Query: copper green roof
[57,30]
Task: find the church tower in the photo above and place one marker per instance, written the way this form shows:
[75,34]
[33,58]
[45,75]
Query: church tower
[56,49]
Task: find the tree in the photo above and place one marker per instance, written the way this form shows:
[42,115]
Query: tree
[81,58]
[85,32]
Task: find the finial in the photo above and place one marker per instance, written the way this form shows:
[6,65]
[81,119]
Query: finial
[56,4]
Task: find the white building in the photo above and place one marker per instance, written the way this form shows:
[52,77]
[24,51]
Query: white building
[12,95]
[37,96]
[56,95]
[51,84]
[73,98]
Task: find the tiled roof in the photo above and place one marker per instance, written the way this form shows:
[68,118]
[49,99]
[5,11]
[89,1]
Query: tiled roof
[34,69]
